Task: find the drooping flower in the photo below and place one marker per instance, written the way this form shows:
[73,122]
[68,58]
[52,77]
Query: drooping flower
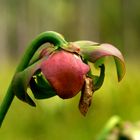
[63,70]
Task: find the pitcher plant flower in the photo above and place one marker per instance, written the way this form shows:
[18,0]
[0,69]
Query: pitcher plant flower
[60,68]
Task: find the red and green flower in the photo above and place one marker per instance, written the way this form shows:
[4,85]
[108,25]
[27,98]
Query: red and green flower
[62,68]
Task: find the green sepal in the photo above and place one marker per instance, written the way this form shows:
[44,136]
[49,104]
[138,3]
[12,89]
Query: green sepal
[93,52]
[98,80]
[41,88]
[20,90]
[99,62]
[43,51]
[21,81]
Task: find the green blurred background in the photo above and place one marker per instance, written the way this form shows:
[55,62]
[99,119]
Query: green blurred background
[113,21]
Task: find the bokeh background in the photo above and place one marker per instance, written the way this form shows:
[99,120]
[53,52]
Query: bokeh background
[113,21]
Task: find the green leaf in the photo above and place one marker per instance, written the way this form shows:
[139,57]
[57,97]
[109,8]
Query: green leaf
[92,52]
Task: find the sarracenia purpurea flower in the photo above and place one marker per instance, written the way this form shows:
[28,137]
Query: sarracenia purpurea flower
[60,68]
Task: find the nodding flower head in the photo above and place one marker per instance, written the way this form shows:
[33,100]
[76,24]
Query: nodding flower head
[62,68]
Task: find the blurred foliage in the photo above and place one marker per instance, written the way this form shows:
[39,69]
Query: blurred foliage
[112,21]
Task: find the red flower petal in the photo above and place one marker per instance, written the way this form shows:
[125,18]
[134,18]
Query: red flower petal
[65,71]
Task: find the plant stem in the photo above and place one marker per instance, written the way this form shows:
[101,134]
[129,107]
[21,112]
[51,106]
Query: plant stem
[113,121]
[6,103]
[51,37]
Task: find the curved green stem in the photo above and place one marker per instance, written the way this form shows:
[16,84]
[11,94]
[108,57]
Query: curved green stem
[51,37]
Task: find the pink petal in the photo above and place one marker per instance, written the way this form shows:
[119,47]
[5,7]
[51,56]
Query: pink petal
[65,71]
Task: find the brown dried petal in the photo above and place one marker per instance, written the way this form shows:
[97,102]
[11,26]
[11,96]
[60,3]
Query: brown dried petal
[86,96]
